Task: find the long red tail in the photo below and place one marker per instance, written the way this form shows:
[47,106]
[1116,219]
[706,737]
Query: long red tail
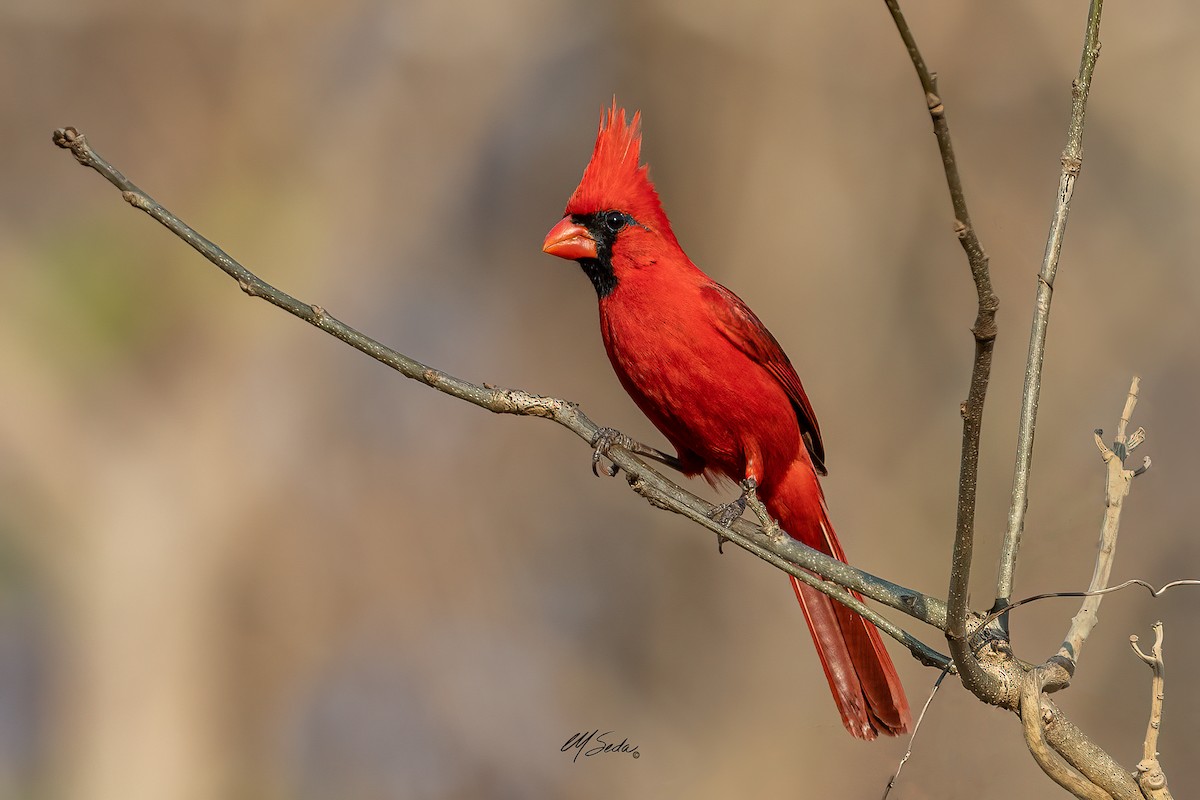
[861,675]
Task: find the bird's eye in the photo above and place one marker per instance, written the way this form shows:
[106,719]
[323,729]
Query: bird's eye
[614,221]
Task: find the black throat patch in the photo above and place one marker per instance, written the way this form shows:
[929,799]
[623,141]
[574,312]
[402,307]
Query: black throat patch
[600,273]
[600,269]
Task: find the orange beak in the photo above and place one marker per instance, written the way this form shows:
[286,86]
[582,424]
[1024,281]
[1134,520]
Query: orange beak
[569,240]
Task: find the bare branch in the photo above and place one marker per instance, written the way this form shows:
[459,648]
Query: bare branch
[1150,775]
[783,552]
[1084,755]
[1117,485]
[1050,761]
[984,332]
[1094,773]
[920,718]
[1072,160]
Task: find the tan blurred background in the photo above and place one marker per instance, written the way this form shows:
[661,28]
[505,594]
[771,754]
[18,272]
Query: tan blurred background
[240,560]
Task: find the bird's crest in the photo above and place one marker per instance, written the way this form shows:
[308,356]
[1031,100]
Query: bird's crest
[613,179]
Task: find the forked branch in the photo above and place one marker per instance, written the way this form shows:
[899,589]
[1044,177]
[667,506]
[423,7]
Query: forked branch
[1150,776]
[1117,484]
[1084,773]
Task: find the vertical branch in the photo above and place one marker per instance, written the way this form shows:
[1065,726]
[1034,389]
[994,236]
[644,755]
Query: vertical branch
[985,338]
[1150,776]
[1118,482]
[1072,160]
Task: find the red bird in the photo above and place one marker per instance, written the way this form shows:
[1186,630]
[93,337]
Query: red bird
[713,379]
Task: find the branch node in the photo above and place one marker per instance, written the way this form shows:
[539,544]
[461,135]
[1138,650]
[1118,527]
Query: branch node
[1146,463]
[71,139]
[1150,775]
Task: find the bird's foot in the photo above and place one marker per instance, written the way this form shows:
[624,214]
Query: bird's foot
[602,441]
[605,438]
[725,515]
[728,513]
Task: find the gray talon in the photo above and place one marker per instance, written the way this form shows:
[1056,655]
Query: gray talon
[604,439]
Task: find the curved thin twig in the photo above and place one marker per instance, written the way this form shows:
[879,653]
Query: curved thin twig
[1118,587]
[920,718]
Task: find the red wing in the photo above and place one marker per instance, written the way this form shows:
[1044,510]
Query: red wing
[748,334]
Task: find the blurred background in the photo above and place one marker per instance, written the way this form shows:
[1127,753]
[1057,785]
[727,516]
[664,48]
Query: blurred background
[239,559]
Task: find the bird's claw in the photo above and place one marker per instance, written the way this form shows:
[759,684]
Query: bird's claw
[725,515]
[602,441]
[728,513]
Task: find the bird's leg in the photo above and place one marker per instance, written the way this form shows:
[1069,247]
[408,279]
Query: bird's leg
[750,493]
[666,459]
[607,437]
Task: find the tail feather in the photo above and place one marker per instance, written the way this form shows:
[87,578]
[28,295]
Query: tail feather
[861,675]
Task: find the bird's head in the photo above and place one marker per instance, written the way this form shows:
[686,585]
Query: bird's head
[613,223]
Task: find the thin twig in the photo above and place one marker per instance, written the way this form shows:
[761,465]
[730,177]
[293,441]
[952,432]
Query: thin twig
[1150,775]
[984,332]
[908,752]
[783,552]
[1072,160]
[1118,482]
[1118,587]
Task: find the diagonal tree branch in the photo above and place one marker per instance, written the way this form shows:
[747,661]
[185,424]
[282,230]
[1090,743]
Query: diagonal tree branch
[1072,161]
[1048,759]
[781,551]
[975,678]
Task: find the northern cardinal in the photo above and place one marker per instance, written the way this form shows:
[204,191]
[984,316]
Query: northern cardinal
[716,383]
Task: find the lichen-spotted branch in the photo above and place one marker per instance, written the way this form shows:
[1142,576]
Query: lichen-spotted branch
[984,332]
